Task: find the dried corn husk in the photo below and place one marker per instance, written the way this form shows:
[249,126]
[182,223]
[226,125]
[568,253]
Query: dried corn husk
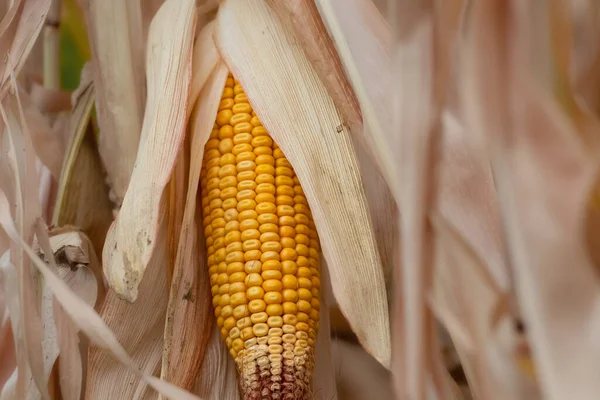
[18,32]
[80,269]
[25,206]
[83,199]
[115,32]
[190,315]
[131,239]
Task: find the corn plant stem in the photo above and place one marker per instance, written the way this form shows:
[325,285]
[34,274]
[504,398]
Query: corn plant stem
[52,47]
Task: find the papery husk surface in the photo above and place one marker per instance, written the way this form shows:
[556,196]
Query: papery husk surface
[190,314]
[119,85]
[131,239]
[83,198]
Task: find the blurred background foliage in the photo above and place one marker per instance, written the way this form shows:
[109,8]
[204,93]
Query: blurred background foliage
[75,49]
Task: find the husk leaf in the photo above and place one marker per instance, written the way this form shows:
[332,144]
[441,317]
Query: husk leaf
[83,198]
[132,237]
[190,314]
[19,30]
[119,87]
[28,332]
[363,39]
[218,377]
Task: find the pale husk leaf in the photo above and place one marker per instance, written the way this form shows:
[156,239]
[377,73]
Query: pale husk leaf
[119,87]
[83,198]
[320,149]
[19,30]
[363,40]
[204,58]
[139,328]
[10,282]
[79,268]
[305,20]
[190,315]
[218,378]
[303,16]
[48,143]
[28,333]
[132,237]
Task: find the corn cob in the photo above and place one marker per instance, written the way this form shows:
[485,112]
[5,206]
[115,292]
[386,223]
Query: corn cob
[263,253]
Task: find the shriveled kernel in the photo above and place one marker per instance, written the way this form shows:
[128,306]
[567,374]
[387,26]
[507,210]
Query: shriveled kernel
[302,326]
